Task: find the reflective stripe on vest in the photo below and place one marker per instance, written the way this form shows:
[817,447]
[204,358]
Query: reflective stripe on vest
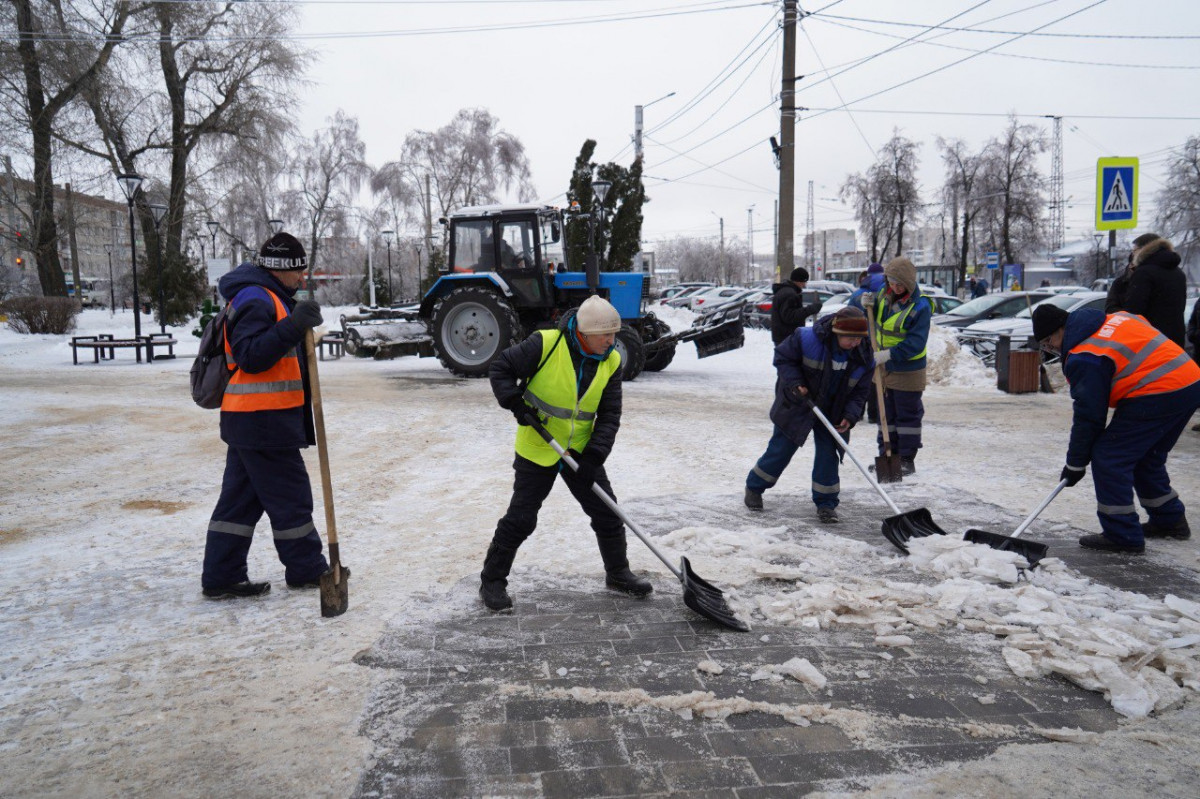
[891,330]
[1146,361]
[553,392]
[278,388]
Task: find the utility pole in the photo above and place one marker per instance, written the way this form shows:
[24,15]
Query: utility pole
[750,242]
[1057,232]
[809,230]
[785,254]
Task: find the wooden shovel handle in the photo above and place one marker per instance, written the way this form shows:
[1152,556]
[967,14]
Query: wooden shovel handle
[314,383]
[883,427]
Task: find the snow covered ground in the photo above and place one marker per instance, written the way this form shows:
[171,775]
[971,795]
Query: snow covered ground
[118,679]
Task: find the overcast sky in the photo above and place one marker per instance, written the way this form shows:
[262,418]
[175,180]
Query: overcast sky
[553,81]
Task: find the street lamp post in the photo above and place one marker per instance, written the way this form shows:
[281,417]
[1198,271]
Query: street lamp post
[158,210]
[112,288]
[388,235]
[637,124]
[129,185]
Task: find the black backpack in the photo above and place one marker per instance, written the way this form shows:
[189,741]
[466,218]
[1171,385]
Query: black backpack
[210,374]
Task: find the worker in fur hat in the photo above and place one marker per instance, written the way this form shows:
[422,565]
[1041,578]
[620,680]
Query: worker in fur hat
[902,317]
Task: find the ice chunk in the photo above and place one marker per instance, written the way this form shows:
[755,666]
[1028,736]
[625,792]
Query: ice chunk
[710,667]
[1020,662]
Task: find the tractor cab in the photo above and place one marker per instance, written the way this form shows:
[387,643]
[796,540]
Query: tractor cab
[522,244]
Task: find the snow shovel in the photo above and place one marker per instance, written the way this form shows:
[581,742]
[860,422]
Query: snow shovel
[335,582]
[887,465]
[904,525]
[698,594]
[1032,551]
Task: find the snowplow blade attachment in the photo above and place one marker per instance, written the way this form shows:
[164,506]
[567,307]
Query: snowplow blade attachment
[723,338]
[1032,551]
[707,600]
[910,524]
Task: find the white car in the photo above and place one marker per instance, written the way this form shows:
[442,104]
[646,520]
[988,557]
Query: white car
[981,337]
[707,298]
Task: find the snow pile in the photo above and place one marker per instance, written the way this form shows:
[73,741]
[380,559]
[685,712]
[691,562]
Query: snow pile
[1143,654]
[948,363]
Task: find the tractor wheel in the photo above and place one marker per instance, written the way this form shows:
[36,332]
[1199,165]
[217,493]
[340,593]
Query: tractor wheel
[658,361]
[471,326]
[633,355]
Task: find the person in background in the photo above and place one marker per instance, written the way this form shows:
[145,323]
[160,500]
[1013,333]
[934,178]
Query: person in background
[1119,361]
[266,419]
[980,288]
[788,310]
[830,364]
[569,381]
[874,283]
[1158,287]
[902,320]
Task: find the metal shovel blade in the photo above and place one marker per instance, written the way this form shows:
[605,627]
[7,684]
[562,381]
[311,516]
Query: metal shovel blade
[887,469]
[910,524]
[335,590]
[1032,551]
[707,600]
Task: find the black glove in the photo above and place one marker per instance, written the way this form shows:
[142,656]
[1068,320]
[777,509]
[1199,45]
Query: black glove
[306,314]
[1072,475]
[797,394]
[587,466]
[524,414]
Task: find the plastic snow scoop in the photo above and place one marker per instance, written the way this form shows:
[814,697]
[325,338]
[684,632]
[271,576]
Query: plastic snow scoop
[698,594]
[334,584]
[1032,551]
[887,465]
[905,524]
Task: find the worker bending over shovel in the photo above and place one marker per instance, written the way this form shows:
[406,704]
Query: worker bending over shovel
[830,364]
[1120,361]
[569,381]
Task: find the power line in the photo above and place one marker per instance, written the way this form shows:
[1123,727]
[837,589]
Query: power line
[1047,59]
[669,11]
[1034,33]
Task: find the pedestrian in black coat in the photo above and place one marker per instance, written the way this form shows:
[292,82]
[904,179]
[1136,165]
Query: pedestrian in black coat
[1158,288]
[788,311]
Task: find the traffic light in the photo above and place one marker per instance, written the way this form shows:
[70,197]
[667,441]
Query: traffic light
[20,262]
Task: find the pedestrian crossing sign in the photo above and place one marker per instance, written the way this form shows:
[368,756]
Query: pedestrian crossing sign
[1116,193]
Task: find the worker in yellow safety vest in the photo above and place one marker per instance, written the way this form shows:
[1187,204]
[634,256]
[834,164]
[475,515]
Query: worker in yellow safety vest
[568,381]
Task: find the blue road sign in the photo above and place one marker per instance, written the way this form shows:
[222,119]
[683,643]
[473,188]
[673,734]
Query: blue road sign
[1116,193]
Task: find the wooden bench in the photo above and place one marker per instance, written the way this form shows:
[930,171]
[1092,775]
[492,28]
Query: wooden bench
[104,346]
[334,343]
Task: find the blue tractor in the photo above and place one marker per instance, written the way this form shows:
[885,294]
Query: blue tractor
[506,276]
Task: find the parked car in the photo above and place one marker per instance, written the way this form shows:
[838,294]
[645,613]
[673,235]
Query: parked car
[942,303]
[990,306]
[717,295]
[981,338]
[679,299]
[1068,289]
[830,286]
[758,312]
[674,289]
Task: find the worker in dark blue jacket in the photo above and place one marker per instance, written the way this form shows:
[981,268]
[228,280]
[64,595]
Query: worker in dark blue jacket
[1121,361]
[266,418]
[830,364]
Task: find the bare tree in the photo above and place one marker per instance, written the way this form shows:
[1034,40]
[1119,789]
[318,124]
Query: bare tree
[331,168]
[60,47]
[1179,201]
[962,190]
[894,173]
[468,162]
[1011,174]
[869,209]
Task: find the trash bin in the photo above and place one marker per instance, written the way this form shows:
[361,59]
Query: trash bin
[1017,371]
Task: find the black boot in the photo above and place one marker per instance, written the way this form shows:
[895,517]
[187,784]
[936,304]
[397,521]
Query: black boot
[616,565]
[493,580]
[1178,530]
[627,582]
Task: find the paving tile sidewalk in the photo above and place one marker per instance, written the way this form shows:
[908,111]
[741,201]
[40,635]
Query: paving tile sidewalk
[474,704]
